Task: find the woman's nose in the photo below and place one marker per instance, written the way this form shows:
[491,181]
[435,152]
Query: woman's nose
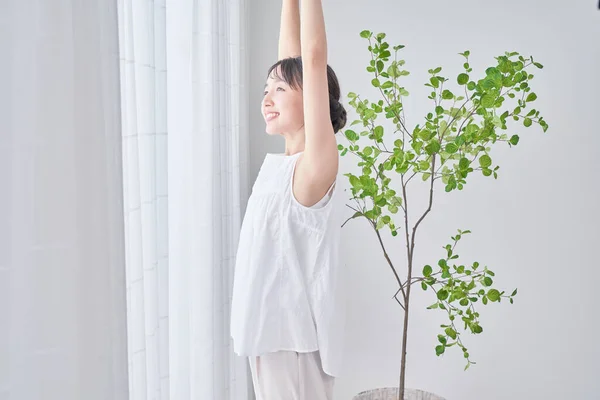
[267,99]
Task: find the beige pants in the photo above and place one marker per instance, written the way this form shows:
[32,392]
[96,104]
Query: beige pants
[288,375]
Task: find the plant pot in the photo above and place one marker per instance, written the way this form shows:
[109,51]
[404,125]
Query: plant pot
[392,394]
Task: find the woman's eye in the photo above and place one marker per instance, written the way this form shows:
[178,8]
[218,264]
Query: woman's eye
[265,92]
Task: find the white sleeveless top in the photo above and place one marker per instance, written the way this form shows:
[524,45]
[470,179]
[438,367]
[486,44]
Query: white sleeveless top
[287,292]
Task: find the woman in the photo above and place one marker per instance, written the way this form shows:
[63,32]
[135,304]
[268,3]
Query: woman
[286,308]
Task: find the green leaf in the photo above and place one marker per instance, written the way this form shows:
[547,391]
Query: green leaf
[387,85]
[442,294]
[493,295]
[514,139]
[488,83]
[435,82]
[514,293]
[462,79]
[393,71]
[426,134]
[451,332]
[487,281]
[396,200]
[439,350]
[355,182]
[378,132]
[485,161]
[375,82]
[527,122]
[365,34]
[442,339]
[433,147]
[451,148]
[531,97]
[488,100]
[427,270]
[447,95]
[351,135]
[423,285]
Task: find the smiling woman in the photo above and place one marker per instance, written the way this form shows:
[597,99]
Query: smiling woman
[283,100]
[287,310]
[284,81]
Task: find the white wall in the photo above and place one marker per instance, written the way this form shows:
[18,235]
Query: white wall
[536,226]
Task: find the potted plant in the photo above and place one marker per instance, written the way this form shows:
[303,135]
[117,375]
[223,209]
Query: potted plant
[451,145]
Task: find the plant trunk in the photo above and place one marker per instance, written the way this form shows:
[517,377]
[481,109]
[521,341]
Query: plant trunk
[410,251]
[405,334]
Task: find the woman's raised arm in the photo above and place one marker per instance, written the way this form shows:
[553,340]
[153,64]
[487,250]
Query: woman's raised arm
[320,163]
[289,30]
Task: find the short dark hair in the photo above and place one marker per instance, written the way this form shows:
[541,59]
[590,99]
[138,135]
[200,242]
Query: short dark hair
[290,72]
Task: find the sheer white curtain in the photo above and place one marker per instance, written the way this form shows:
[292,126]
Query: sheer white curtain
[184,104]
[62,264]
[144,121]
[208,128]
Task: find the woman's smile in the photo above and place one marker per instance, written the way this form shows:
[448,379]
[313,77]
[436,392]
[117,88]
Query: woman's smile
[271,116]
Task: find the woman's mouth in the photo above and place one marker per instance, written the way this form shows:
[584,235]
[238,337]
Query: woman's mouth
[271,116]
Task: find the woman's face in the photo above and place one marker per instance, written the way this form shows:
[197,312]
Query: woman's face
[282,107]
